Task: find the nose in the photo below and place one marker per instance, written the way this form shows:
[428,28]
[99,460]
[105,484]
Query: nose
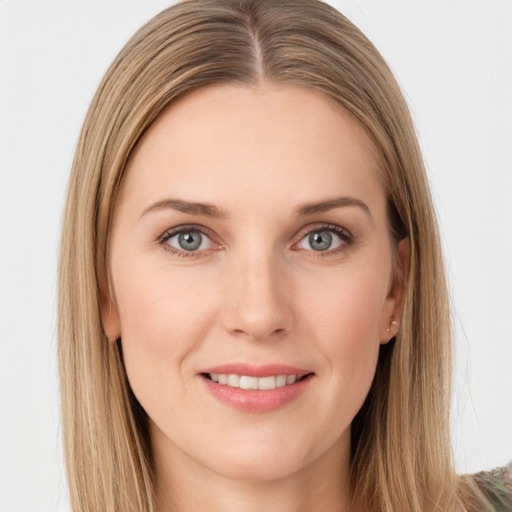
[258,298]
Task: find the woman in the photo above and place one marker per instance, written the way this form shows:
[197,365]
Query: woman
[253,310]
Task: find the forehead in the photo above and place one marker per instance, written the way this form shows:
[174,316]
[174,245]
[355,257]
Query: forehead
[277,140]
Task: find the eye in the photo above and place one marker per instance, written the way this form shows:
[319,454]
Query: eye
[188,240]
[325,239]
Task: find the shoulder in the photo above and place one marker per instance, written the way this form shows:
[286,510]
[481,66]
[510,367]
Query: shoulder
[496,485]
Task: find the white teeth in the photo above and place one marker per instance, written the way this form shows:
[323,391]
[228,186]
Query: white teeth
[233,380]
[246,382]
[280,381]
[267,383]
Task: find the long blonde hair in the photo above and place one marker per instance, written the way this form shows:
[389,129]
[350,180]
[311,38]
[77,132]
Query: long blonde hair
[401,453]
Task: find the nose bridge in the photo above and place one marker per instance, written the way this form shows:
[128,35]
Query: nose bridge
[258,294]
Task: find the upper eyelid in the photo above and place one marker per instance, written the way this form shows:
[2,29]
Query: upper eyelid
[168,233]
[311,228]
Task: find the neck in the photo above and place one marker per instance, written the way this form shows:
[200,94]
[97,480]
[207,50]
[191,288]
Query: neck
[183,485]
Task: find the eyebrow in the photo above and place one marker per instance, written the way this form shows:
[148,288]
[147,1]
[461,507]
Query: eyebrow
[207,210]
[330,204]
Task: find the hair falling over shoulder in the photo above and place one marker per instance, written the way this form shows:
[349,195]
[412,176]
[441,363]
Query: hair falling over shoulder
[401,451]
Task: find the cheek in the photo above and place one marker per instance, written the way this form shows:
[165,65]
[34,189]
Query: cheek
[345,322]
[347,305]
[158,302]
[162,321]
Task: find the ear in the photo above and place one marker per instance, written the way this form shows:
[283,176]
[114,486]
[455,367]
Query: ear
[392,311]
[109,314]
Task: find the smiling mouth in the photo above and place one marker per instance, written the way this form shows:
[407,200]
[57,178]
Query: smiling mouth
[250,382]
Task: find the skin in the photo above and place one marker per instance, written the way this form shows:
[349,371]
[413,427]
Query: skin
[256,291]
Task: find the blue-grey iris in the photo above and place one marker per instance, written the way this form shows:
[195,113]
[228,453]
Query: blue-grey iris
[320,240]
[190,240]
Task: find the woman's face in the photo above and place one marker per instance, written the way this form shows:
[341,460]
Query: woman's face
[250,244]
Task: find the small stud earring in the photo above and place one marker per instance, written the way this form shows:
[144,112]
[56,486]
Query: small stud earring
[392,323]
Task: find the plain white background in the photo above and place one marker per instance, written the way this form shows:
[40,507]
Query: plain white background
[453,59]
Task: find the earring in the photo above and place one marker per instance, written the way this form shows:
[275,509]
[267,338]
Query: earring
[393,323]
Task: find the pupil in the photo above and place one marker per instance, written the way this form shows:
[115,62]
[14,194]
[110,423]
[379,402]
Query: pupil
[190,241]
[320,241]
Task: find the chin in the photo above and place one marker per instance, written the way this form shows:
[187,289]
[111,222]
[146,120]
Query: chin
[267,457]
[262,469]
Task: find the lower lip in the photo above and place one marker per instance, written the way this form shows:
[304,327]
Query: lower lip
[255,400]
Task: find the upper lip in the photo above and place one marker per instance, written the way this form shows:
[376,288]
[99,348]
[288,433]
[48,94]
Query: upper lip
[252,370]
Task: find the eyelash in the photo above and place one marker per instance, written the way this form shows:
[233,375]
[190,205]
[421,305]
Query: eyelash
[344,235]
[162,240]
